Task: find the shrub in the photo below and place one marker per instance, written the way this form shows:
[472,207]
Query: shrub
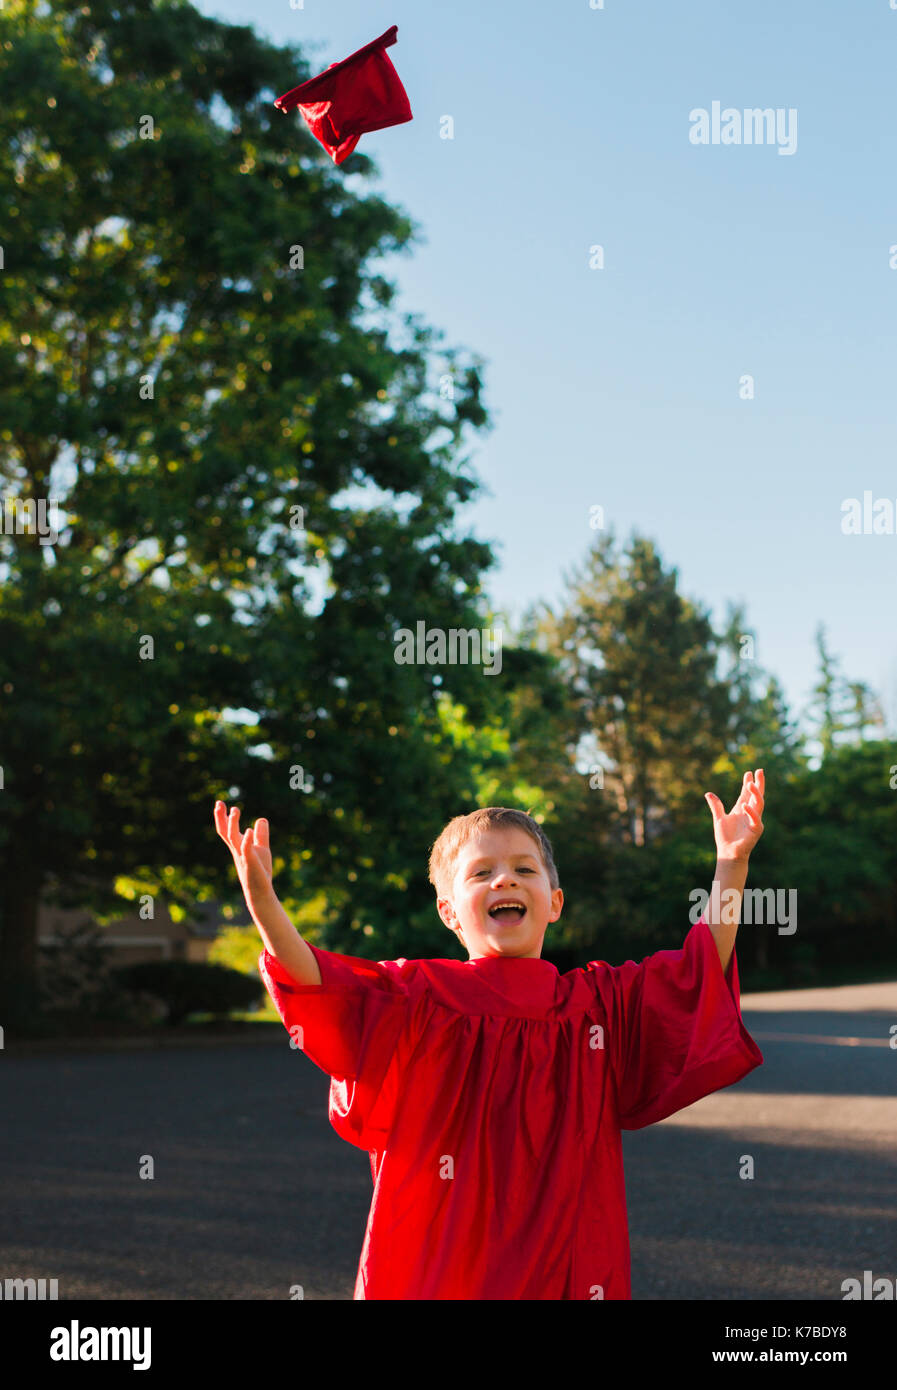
[187,987]
[76,977]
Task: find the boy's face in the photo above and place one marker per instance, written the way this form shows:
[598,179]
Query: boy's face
[497,866]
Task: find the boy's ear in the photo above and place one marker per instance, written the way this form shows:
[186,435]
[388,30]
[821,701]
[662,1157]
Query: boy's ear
[444,908]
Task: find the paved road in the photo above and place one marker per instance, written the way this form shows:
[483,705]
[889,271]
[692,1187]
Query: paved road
[254,1193]
[819,1119]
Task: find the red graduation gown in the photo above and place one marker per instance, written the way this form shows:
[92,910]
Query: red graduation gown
[491,1094]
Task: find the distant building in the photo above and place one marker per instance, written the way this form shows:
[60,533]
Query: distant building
[132,939]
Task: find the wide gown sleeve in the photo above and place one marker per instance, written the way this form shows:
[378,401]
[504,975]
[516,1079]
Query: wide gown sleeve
[350,1026]
[675,1028]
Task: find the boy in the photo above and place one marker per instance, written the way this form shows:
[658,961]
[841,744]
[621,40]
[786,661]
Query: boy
[490,1093]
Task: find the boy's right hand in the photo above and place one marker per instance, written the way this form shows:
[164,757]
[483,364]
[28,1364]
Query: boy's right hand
[251,852]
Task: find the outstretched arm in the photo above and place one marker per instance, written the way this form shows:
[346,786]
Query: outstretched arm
[252,856]
[736,834]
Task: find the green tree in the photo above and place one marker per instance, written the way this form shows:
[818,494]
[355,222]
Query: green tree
[640,661]
[761,730]
[761,733]
[840,706]
[832,839]
[257,470]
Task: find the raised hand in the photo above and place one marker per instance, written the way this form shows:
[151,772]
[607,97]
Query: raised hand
[738,832]
[251,852]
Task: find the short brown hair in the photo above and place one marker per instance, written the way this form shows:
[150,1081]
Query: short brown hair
[462,828]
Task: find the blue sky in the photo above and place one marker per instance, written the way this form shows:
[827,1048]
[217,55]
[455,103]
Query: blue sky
[620,387]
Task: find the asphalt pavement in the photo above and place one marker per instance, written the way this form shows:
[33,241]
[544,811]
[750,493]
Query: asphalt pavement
[253,1195]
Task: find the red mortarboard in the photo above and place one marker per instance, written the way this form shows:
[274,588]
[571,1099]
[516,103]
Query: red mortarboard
[361,93]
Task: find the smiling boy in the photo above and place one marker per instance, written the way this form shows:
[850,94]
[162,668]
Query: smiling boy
[497,888]
[490,1093]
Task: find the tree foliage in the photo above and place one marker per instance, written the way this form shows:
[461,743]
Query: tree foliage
[258,469]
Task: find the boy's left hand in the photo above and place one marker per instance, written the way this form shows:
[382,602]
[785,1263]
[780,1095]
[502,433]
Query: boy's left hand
[738,832]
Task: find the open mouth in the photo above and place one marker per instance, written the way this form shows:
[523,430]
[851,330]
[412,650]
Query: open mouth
[509,912]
